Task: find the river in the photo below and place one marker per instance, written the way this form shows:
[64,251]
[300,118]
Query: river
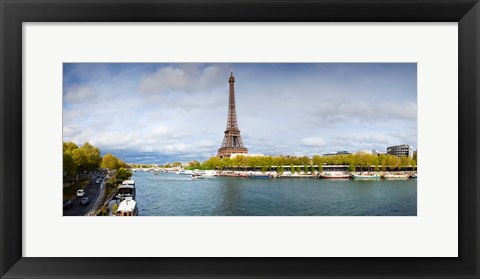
[169,194]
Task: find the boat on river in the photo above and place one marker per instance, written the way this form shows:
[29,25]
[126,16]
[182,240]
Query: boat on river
[197,176]
[127,207]
[210,173]
[126,190]
[258,175]
[186,172]
[366,176]
[396,176]
[335,175]
[233,174]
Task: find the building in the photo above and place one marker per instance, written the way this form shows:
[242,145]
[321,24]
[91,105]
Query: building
[403,150]
[232,141]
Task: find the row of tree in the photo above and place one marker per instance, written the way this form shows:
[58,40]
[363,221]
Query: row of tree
[112,163]
[360,161]
[87,158]
[80,159]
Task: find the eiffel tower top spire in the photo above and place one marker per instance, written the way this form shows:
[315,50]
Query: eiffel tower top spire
[232,141]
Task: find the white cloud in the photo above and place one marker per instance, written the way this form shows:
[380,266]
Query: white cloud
[70,131]
[313,142]
[186,78]
[78,94]
[165,79]
[333,111]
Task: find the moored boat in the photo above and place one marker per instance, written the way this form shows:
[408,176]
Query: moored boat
[396,176]
[210,173]
[186,172]
[335,175]
[127,207]
[233,174]
[258,175]
[366,176]
[197,176]
[126,190]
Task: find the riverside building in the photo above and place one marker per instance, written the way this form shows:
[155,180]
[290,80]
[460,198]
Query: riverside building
[403,150]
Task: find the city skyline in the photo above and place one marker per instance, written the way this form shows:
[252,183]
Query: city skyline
[158,113]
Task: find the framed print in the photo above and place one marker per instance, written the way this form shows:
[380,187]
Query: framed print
[326,105]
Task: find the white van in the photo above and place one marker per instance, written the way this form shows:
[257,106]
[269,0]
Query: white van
[80,193]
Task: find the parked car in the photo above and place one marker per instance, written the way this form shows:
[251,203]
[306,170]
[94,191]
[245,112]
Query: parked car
[67,204]
[80,193]
[85,201]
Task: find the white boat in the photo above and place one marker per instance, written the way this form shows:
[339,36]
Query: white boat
[258,175]
[128,182]
[126,190]
[209,173]
[335,175]
[197,176]
[414,176]
[396,176]
[128,207]
[186,172]
[366,176]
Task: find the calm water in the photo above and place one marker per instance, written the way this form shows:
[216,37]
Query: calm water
[169,194]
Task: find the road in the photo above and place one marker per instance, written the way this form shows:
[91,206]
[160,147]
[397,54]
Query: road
[92,191]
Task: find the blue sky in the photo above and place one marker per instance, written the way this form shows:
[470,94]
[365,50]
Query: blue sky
[158,112]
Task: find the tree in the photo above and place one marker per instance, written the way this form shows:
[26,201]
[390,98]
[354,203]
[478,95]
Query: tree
[110,162]
[80,159]
[317,160]
[305,160]
[376,167]
[92,155]
[383,162]
[195,164]
[69,167]
[405,162]
[351,166]
[121,164]
[69,146]
[226,162]
[298,169]
[123,174]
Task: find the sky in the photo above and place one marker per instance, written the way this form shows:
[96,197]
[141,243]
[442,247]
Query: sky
[160,113]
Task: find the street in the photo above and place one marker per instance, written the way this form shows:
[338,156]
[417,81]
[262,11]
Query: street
[92,191]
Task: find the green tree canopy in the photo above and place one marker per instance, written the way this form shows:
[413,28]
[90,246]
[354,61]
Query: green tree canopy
[110,162]
[123,174]
[69,167]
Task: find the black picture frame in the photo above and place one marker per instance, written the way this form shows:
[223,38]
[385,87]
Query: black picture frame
[14,13]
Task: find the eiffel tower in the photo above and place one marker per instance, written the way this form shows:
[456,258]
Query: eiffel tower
[232,141]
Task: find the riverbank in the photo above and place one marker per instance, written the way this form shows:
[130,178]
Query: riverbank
[331,173]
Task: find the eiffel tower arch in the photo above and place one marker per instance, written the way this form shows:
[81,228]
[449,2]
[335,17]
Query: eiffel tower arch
[232,141]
